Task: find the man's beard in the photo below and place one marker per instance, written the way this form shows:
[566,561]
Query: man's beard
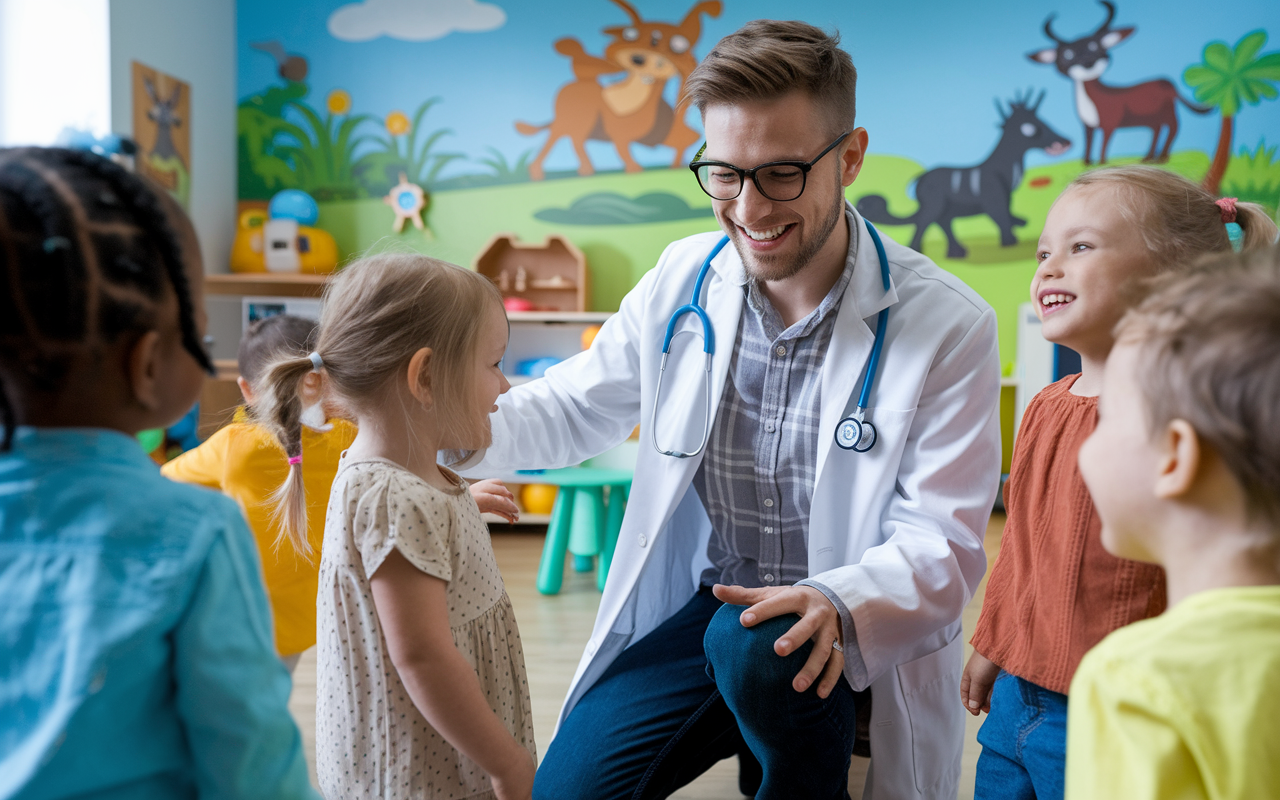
[777,268]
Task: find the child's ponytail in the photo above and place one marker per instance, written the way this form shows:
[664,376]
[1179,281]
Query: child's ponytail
[278,408]
[1256,225]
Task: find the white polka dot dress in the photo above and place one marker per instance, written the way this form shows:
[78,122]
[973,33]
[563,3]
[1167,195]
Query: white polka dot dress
[371,740]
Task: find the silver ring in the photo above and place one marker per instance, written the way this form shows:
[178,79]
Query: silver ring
[836,646]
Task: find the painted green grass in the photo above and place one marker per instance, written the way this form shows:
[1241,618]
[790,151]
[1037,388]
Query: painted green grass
[463,220]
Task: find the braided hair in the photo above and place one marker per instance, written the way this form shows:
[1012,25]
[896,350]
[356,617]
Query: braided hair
[87,255]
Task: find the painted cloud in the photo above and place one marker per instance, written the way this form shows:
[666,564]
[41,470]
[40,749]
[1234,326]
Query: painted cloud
[413,20]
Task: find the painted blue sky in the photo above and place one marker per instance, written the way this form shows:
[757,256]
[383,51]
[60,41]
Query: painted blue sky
[928,71]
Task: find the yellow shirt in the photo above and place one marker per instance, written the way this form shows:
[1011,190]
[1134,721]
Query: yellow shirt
[1185,705]
[246,463]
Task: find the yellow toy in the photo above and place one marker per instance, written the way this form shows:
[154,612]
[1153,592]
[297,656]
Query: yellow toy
[538,498]
[294,246]
[589,336]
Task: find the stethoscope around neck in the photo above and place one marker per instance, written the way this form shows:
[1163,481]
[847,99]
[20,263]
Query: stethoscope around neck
[854,431]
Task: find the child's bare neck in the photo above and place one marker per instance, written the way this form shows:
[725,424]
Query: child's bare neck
[1093,359]
[393,438]
[1212,553]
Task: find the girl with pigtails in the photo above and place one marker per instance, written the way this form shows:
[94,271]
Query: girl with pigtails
[421,687]
[136,657]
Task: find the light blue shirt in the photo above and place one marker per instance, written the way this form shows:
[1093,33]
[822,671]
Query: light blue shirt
[136,656]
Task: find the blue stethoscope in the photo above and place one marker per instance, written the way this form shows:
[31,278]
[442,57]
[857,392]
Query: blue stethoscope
[854,431]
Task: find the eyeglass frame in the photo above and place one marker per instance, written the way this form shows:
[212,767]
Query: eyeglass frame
[743,174]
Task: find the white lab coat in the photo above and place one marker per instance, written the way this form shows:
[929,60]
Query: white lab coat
[895,532]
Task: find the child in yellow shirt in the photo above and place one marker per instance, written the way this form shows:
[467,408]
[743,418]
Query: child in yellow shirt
[1184,468]
[246,463]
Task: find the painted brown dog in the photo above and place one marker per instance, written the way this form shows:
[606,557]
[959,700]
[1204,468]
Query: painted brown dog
[632,109]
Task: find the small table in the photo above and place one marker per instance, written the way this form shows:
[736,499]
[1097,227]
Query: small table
[582,522]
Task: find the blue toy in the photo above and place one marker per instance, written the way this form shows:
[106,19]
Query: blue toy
[535,367]
[294,204]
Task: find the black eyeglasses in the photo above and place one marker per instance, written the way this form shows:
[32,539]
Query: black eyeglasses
[779,181]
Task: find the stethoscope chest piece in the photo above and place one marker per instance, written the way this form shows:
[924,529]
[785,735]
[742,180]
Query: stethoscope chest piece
[856,434]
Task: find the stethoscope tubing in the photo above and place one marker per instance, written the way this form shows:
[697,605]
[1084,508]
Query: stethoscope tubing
[852,419]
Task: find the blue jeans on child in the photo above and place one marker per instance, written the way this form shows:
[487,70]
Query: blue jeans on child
[695,691]
[1024,743]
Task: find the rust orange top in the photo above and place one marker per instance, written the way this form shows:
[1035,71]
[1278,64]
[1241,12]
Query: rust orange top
[1054,591]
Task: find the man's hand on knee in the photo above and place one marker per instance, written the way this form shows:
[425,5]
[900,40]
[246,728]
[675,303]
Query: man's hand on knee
[819,622]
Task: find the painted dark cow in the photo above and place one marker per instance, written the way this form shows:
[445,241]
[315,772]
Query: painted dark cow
[945,193]
[1109,108]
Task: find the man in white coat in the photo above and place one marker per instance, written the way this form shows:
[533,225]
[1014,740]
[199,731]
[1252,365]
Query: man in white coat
[853,567]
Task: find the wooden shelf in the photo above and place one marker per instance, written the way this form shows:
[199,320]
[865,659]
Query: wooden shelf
[275,284]
[559,316]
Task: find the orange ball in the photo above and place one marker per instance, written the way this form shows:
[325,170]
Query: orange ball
[538,498]
[589,336]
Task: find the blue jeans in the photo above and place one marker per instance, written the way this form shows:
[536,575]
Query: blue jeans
[1024,743]
[697,689]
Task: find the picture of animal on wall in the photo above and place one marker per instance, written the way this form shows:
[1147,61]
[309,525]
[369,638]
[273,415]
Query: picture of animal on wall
[945,193]
[161,127]
[631,110]
[1151,104]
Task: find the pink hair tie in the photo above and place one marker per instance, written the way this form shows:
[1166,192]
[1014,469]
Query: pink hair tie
[295,460]
[1228,206]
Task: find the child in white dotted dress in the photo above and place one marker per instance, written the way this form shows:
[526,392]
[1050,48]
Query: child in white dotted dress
[421,686]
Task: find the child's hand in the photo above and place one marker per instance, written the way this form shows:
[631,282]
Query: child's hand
[975,685]
[493,496]
[517,782]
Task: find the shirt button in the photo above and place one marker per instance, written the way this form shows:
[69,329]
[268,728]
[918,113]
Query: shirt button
[644,540]
[768,426]
[768,503]
[768,530]
[780,350]
[768,578]
[591,648]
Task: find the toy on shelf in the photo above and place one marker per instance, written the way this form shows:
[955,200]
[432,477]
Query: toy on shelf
[536,367]
[408,201]
[589,334]
[551,276]
[281,237]
[518,304]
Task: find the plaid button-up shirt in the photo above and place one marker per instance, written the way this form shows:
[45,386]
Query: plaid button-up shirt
[756,479]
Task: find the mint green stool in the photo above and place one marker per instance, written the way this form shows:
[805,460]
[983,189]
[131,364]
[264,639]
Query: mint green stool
[582,522]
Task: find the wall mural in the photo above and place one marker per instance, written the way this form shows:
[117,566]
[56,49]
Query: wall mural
[469,101]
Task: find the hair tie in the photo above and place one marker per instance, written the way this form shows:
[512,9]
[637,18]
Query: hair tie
[1228,208]
[316,361]
[295,459]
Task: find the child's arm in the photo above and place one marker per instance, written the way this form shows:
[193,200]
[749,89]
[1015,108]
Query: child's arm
[412,608]
[203,465]
[232,692]
[494,497]
[976,683]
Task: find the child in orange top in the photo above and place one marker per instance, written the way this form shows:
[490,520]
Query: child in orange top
[1054,591]
[244,461]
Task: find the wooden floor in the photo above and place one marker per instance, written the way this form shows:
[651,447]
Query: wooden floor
[555,631]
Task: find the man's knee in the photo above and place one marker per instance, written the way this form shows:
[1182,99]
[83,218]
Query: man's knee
[743,661]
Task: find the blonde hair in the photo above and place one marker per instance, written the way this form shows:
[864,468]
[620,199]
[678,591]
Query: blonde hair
[376,314]
[1178,220]
[1209,341]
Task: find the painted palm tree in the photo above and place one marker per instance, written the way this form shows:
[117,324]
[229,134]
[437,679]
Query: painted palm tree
[1228,77]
